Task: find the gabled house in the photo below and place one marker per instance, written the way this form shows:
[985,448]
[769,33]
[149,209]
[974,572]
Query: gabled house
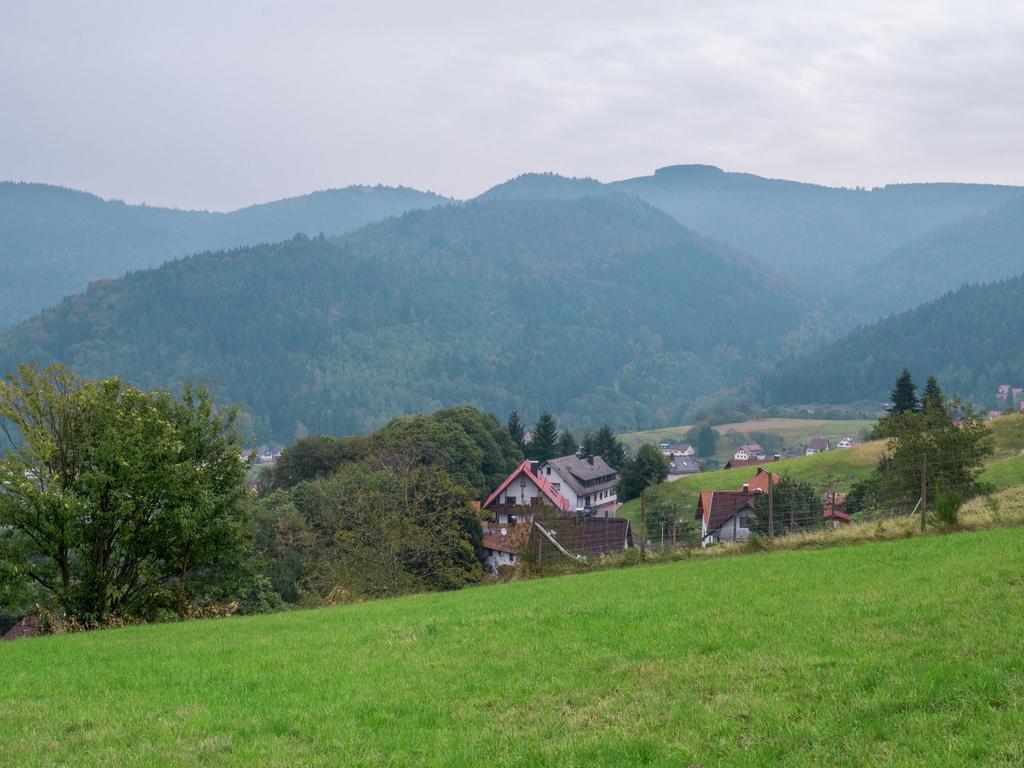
[501,547]
[681,466]
[588,484]
[522,489]
[818,445]
[750,452]
[846,442]
[725,515]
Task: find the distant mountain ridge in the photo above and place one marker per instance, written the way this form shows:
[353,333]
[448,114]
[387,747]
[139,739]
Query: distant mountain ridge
[598,308]
[969,339]
[54,241]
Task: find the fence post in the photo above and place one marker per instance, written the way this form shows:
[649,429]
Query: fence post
[771,507]
[924,491]
[643,524]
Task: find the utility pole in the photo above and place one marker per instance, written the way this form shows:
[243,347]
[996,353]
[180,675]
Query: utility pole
[771,506]
[924,491]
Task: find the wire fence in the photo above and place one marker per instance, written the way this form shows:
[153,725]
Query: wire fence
[922,488]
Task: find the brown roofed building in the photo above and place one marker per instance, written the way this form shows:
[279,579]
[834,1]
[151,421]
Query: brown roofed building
[725,515]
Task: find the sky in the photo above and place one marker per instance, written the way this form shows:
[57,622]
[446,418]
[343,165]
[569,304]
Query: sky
[223,103]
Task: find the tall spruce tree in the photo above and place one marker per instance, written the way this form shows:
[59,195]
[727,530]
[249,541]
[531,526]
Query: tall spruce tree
[904,395]
[706,441]
[933,399]
[544,444]
[567,444]
[515,428]
[605,444]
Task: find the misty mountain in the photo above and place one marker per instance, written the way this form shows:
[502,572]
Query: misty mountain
[817,235]
[597,308]
[980,248]
[969,338]
[53,240]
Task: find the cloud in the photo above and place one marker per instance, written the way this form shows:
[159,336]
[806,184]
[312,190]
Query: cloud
[218,105]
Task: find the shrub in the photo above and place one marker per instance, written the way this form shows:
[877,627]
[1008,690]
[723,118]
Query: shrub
[947,509]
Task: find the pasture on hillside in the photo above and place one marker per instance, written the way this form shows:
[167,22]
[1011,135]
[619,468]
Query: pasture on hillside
[796,433]
[899,653]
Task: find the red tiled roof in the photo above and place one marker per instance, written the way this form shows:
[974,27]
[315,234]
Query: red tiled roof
[759,482]
[557,499]
[499,542]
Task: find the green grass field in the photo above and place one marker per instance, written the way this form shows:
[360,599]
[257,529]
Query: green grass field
[892,654]
[795,432]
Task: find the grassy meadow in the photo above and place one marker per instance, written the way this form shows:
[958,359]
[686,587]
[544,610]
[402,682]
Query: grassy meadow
[899,653]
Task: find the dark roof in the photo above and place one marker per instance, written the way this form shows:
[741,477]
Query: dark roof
[734,463]
[820,444]
[576,471]
[593,535]
[716,507]
[27,627]
[683,465]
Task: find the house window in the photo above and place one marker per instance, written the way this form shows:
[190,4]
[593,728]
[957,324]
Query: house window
[547,470]
[510,499]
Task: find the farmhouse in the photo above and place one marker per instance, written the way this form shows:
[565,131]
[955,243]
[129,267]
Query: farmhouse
[523,488]
[588,484]
[725,515]
[750,452]
[676,449]
[846,442]
[818,445]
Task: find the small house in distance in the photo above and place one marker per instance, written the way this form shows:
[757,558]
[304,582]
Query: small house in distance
[818,445]
[681,466]
[846,442]
[750,452]
[671,449]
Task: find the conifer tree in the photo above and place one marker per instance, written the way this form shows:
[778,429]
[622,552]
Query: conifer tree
[567,445]
[933,399]
[515,427]
[544,444]
[904,395]
[606,445]
[706,442]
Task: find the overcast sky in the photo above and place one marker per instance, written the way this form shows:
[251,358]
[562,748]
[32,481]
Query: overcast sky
[220,104]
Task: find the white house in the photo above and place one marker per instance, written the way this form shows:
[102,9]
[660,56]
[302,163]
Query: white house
[523,488]
[586,483]
[750,452]
[499,550]
[846,442]
[672,450]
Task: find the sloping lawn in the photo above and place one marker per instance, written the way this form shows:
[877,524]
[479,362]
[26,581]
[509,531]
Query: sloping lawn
[892,654]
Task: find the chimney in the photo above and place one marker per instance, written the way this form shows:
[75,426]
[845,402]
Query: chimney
[590,460]
[776,457]
[746,487]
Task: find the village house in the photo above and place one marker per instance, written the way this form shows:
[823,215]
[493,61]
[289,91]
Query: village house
[835,510]
[681,466]
[588,484]
[750,452]
[818,445]
[846,442]
[725,515]
[501,549]
[519,490]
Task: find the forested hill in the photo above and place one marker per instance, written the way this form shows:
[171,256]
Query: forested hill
[818,235]
[980,248]
[53,241]
[969,338]
[600,309]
